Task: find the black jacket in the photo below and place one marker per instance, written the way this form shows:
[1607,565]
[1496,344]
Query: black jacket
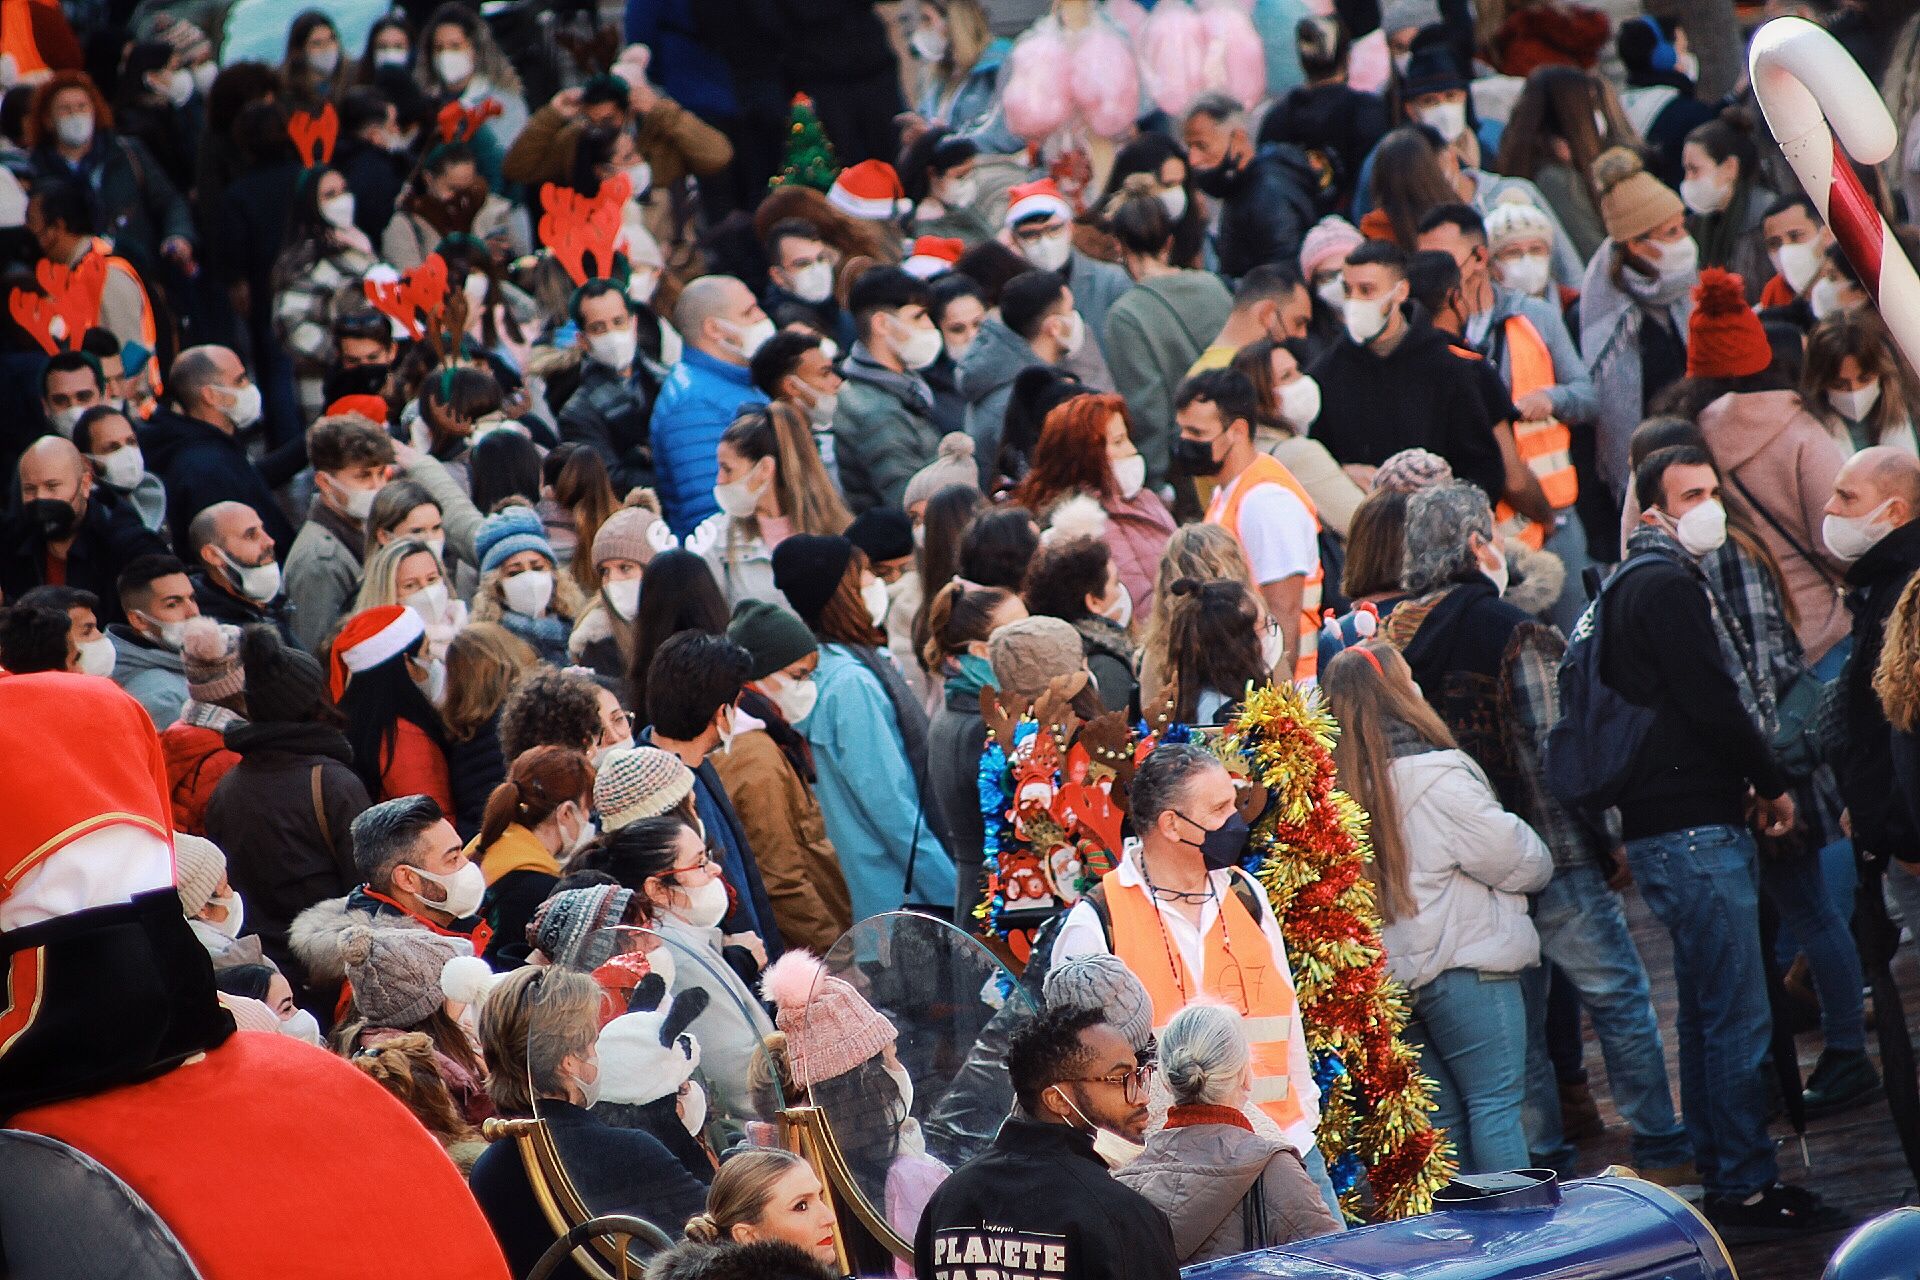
[1704,749]
[474,769]
[611,415]
[376,176]
[1267,211]
[135,203]
[1040,1205]
[110,537]
[1865,771]
[833,319]
[222,605]
[1335,119]
[202,465]
[1420,395]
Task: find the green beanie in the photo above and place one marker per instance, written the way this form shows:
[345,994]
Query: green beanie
[774,636]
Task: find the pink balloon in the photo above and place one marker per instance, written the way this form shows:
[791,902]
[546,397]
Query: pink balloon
[1235,62]
[1035,106]
[1131,17]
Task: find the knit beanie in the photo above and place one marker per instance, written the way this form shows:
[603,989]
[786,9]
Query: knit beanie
[198,868]
[1515,217]
[807,569]
[1331,237]
[1632,201]
[831,1029]
[1102,981]
[563,927]
[1398,15]
[210,655]
[1028,654]
[953,465]
[283,684]
[772,637]
[395,973]
[1724,337]
[507,533]
[631,533]
[884,533]
[1410,471]
[638,782]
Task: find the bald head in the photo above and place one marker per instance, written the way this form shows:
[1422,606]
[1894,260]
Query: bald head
[197,375]
[714,315]
[1876,478]
[53,468]
[229,534]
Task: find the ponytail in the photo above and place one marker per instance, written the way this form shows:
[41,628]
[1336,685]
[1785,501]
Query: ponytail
[540,781]
[959,613]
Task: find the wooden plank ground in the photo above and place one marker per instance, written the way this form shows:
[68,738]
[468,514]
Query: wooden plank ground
[1855,1159]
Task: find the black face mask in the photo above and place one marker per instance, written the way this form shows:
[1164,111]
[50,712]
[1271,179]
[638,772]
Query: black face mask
[1195,457]
[1218,180]
[55,519]
[1224,846]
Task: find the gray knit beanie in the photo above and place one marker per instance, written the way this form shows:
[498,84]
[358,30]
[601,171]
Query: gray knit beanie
[1104,982]
[395,973]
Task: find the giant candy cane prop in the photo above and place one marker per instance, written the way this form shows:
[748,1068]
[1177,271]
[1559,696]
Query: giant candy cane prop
[1805,80]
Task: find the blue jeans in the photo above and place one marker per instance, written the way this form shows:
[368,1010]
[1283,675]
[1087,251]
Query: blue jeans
[1703,884]
[1798,890]
[1317,1170]
[1584,932]
[1471,1031]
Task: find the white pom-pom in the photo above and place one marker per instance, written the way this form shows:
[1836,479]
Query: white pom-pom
[466,979]
[1366,623]
[1078,517]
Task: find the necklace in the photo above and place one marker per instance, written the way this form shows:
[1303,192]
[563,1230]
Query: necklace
[1157,894]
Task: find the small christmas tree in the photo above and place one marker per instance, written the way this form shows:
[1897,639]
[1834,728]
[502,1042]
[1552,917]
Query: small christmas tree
[809,160]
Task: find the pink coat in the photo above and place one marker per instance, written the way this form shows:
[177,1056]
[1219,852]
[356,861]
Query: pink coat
[1784,457]
[1137,531]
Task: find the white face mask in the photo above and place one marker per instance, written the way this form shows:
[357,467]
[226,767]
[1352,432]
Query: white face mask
[624,596]
[813,282]
[1130,473]
[453,66]
[236,915]
[179,87]
[122,468]
[430,601]
[75,130]
[324,63]
[1448,119]
[917,347]
[243,407]
[389,57]
[257,582]
[438,546]
[1797,264]
[639,180]
[1366,318]
[1703,529]
[615,348]
[301,1026]
[355,501]
[1120,612]
[96,657]
[706,904]
[1498,577]
[65,420]
[589,1088]
[465,889]
[1174,201]
[749,338]
[821,410]
[1856,405]
[874,596]
[204,74]
[528,592]
[1825,298]
[168,635]
[1300,402]
[958,193]
[1677,259]
[795,698]
[1049,252]
[1332,291]
[957,351]
[1851,537]
[583,834]
[1527,274]
[435,684]
[1076,335]
[1705,194]
[927,44]
[1273,647]
[738,498]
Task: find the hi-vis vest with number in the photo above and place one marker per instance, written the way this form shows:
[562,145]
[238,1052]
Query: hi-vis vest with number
[1240,973]
[1266,469]
[1543,446]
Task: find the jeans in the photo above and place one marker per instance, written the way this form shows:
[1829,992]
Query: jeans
[1703,885]
[1317,1170]
[1471,1032]
[1583,931]
[1797,888]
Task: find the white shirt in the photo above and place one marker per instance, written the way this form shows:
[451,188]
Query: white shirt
[1276,529]
[1082,935]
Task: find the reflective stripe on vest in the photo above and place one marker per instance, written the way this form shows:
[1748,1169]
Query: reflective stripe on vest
[1544,446]
[1266,469]
[1239,971]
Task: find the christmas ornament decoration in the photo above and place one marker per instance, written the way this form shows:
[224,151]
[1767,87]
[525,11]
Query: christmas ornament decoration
[809,159]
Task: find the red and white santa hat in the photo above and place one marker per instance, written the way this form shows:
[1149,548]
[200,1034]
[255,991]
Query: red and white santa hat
[932,256]
[370,637]
[1037,199]
[871,190]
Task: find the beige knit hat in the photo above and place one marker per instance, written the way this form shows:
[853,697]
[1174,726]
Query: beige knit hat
[395,973]
[1515,217]
[199,867]
[953,465]
[210,657]
[1027,655]
[638,782]
[635,533]
[1632,201]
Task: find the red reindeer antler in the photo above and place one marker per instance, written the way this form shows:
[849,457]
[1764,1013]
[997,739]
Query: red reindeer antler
[416,298]
[574,226]
[315,136]
[67,305]
[460,123]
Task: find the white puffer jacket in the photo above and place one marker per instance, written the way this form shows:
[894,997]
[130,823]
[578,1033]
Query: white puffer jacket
[1472,863]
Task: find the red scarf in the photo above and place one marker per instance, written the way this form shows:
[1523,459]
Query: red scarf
[1181,1117]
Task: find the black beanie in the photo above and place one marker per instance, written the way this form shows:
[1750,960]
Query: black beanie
[884,533]
[283,684]
[807,569]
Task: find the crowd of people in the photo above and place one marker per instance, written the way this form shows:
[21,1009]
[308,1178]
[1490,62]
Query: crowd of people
[660,589]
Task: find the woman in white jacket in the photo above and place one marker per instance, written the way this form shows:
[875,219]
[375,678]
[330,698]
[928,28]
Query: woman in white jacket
[1452,869]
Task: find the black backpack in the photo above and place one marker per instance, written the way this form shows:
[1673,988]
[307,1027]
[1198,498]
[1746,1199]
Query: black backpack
[1592,747]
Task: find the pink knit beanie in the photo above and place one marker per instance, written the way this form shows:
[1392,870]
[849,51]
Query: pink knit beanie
[831,1029]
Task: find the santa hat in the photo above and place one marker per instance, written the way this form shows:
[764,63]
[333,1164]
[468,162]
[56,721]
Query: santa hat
[932,256]
[369,638]
[370,407]
[1724,338]
[871,190]
[1038,199]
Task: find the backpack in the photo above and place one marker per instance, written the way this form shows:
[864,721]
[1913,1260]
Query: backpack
[1592,747]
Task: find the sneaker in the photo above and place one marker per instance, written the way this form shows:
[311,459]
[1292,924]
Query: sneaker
[1840,1080]
[1579,1117]
[1780,1212]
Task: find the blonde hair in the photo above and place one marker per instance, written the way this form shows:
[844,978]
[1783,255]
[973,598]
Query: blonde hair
[968,35]
[741,1192]
[1368,688]
[404,1066]
[1896,680]
[1203,551]
[568,601]
[534,1019]
[484,662]
[379,580]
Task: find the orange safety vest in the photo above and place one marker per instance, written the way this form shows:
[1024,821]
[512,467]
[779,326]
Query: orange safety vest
[1224,511]
[1240,971]
[1543,446]
[149,330]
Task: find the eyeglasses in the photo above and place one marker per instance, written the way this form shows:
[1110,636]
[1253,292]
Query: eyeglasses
[706,864]
[1133,1084]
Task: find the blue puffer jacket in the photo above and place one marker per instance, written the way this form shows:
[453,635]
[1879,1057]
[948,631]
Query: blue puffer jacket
[700,398]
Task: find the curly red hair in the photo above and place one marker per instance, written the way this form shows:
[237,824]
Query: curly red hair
[39,122]
[1071,454]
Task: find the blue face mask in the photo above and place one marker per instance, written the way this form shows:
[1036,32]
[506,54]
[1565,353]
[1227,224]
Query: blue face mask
[976,673]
